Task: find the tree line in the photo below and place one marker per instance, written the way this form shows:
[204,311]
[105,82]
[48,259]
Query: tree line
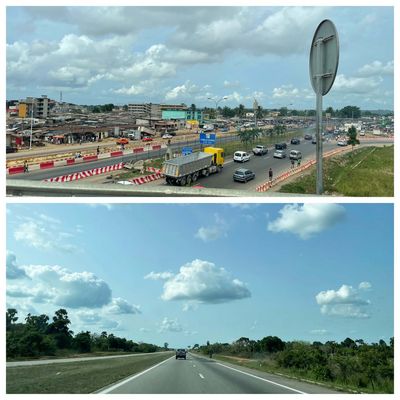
[38,336]
[351,363]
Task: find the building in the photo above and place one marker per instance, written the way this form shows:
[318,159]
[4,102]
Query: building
[183,115]
[38,107]
[148,110]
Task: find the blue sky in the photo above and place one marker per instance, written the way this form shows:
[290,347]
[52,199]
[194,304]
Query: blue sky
[188,273]
[119,55]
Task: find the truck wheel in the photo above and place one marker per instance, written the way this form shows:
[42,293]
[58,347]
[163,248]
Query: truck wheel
[206,172]
[183,181]
[188,180]
[195,176]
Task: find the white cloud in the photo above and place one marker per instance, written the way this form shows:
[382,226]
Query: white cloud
[203,282]
[43,236]
[308,219]
[47,218]
[344,302]
[285,91]
[70,289]
[94,318]
[214,232]
[159,275]
[319,332]
[364,285]
[170,325]
[231,84]
[108,206]
[13,271]
[121,306]
[377,68]
[356,85]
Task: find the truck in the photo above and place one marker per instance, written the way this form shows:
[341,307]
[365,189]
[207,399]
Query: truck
[186,169]
[260,150]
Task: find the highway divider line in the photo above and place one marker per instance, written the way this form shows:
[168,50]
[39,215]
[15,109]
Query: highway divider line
[262,379]
[201,376]
[110,388]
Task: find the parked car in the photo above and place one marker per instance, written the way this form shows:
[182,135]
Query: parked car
[122,141]
[314,140]
[342,143]
[295,155]
[243,175]
[167,136]
[180,353]
[280,154]
[280,146]
[10,149]
[260,150]
[307,137]
[147,139]
[241,156]
[295,141]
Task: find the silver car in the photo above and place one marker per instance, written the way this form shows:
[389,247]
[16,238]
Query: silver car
[280,154]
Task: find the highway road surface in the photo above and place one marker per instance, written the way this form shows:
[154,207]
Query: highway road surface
[200,375]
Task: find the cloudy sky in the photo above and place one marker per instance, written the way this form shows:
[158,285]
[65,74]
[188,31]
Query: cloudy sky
[123,55]
[188,273]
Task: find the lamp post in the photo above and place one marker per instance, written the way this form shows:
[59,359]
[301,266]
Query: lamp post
[30,140]
[216,103]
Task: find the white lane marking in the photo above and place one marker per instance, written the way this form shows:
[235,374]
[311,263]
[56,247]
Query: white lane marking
[201,376]
[111,388]
[263,379]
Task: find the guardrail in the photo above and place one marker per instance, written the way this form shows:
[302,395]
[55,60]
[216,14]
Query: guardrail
[19,187]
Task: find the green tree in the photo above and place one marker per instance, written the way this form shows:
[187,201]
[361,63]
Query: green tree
[352,137]
[283,111]
[330,110]
[240,111]
[83,342]
[165,346]
[271,344]
[193,107]
[38,323]
[59,328]
[11,318]
[259,112]
[350,112]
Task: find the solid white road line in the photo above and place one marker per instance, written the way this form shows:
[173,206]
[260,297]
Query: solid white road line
[201,376]
[111,388]
[266,380]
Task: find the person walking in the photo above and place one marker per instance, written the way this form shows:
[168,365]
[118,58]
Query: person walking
[292,161]
[270,174]
[98,150]
[26,167]
[298,162]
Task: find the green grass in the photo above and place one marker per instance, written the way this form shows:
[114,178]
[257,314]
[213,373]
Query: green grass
[267,364]
[77,377]
[367,171]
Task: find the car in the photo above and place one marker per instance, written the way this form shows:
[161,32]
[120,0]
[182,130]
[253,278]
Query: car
[280,146]
[10,149]
[307,137]
[342,143]
[243,175]
[122,141]
[241,156]
[295,155]
[180,353]
[295,141]
[280,154]
[147,139]
[314,140]
[167,136]
[260,150]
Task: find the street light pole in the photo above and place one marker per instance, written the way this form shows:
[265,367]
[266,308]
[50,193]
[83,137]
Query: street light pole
[216,103]
[30,140]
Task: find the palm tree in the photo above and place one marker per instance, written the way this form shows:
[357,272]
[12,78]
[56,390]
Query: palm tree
[352,135]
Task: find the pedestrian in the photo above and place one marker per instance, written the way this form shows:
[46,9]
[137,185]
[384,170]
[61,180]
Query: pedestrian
[98,150]
[26,167]
[270,173]
[299,162]
[292,161]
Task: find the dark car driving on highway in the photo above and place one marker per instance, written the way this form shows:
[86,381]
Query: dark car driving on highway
[243,175]
[280,146]
[307,137]
[180,353]
[295,141]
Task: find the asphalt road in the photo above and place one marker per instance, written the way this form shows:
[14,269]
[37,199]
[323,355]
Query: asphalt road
[200,375]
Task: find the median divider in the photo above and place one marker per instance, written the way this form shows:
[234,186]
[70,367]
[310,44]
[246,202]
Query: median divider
[85,174]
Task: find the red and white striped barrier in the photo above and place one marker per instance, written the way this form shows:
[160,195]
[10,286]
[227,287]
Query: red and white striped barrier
[146,179]
[86,174]
[87,158]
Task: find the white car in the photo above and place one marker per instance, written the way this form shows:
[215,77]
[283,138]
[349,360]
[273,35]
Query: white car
[241,156]
[166,136]
[280,154]
[342,143]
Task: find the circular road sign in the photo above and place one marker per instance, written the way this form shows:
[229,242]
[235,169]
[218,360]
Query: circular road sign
[324,57]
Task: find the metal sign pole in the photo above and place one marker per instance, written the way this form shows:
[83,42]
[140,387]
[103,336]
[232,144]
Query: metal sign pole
[319,183]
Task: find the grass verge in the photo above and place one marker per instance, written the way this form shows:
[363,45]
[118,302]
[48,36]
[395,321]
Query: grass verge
[77,377]
[365,172]
[269,366]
